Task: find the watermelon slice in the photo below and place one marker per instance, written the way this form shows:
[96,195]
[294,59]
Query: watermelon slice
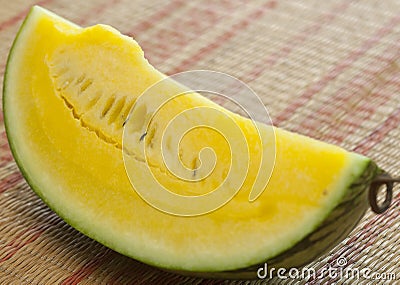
[68,93]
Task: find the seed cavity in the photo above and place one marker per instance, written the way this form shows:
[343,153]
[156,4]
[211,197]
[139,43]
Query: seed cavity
[195,163]
[80,79]
[94,100]
[85,85]
[150,136]
[108,106]
[127,109]
[116,111]
[97,110]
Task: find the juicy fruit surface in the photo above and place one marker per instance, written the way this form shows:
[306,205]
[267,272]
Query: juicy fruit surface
[68,92]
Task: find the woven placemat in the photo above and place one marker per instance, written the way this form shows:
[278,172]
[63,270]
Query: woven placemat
[326,69]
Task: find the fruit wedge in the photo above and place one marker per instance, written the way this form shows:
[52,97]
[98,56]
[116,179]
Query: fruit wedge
[68,93]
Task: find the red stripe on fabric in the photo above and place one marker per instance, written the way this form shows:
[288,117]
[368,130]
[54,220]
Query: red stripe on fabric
[5,158]
[9,180]
[97,11]
[288,47]
[12,21]
[297,40]
[378,219]
[18,245]
[33,233]
[88,268]
[365,109]
[180,32]
[5,152]
[152,20]
[220,40]
[335,71]
[17,241]
[379,133]
[368,232]
[3,136]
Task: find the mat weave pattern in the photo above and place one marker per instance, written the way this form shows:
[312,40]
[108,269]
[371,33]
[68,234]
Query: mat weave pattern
[326,69]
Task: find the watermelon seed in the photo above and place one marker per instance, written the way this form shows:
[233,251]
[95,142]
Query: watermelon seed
[149,141]
[85,85]
[94,100]
[80,79]
[142,137]
[119,105]
[195,163]
[127,110]
[108,106]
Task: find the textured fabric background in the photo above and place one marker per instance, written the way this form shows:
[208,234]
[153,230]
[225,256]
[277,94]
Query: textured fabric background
[326,69]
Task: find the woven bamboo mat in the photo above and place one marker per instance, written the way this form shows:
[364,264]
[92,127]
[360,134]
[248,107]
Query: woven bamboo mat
[327,69]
